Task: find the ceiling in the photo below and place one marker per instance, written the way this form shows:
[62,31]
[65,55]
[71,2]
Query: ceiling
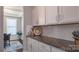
[15,8]
[13,11]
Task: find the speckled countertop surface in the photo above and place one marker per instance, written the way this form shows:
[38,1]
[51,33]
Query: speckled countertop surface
[56,42]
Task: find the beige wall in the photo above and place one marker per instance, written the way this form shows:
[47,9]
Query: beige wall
[1,30]
[27,22]
[4,27]
[61,31]
[28,15]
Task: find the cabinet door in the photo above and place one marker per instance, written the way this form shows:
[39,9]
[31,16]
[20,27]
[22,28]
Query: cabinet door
[34,45]
[41,15]
[44,47]
[69,14]
[29,44]
[54,49]
[35,16]
[51,15]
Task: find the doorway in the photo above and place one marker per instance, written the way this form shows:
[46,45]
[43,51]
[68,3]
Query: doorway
[13,28]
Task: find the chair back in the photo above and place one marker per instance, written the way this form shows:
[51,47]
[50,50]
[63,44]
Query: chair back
[6,37]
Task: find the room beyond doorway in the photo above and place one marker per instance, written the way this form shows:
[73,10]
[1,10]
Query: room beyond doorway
[13,25]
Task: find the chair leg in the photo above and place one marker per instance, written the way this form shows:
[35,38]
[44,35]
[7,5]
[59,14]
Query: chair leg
[9,42]
[5,44]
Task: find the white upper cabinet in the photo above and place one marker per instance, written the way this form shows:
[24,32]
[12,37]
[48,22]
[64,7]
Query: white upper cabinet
[51,15]
[46,15]
[41,15]
[35,16]
[69,14]
[38,15]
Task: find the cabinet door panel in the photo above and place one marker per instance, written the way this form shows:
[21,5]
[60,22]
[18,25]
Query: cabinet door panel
[35,16]
[44,47]
[34,45]
[69,14]
[54,49]
[41,12]
[51,15]
[29,44]
[38,15]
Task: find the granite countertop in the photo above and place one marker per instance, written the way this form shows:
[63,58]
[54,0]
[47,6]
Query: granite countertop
[56,42]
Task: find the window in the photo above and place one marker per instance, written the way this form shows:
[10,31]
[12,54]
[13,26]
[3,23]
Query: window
[11,25]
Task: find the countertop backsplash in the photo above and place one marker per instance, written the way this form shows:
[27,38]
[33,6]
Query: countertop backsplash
[60,31]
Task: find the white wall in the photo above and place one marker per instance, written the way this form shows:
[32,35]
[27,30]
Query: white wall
[1,30]
[60,31]
[19,24]
[27,22]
